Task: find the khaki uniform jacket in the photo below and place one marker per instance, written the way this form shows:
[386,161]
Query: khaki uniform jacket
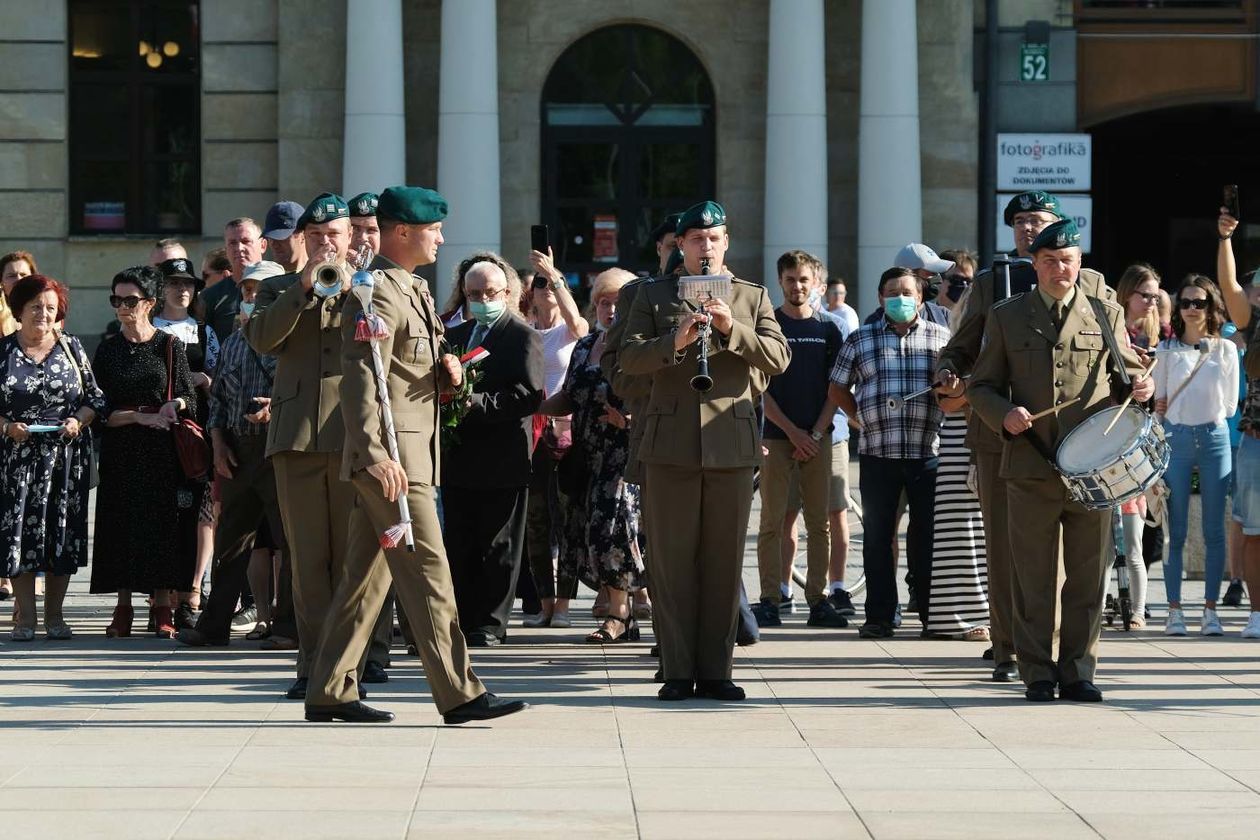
[716,430]
[409,357]
[303,332]
[963,349]
[634,390]
[1026,363]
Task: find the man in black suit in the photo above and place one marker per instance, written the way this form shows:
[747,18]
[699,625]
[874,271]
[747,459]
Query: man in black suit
[485,476]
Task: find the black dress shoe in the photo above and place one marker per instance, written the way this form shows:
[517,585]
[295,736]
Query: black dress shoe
[987,656]
[655,651]
[719,690]
[354,712]
[483,640]
[485,707]
[659,676]
[1081,692]
[193,637]
[876,630]
[374,673]
[1006,672]
[297,691]
[675,690]
[1042,691]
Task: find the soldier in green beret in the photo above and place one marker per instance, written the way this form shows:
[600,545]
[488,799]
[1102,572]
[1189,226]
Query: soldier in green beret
[698,451]
[1028,214]
[306,435]
[1046,348]
[364,229]
[664,236]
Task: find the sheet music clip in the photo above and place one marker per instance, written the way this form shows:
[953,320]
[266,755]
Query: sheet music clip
[704,287]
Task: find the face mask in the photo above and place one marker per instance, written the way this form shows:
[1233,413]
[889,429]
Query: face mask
[900,309]
[247,309]
[486,312]
[815,299]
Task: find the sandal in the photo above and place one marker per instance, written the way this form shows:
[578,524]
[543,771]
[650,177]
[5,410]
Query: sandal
[59,632]
[976,634]
[602,636]
[1137,622]
[643,611]
[262,630]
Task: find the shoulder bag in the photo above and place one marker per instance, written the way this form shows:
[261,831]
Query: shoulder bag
[93,471]
[190,438]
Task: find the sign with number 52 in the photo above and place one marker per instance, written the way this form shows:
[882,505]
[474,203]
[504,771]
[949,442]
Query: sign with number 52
[1034,62]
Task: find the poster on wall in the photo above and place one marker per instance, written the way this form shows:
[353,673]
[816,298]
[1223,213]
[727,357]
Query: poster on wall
[604,247]
[1052,162]
[1079,208]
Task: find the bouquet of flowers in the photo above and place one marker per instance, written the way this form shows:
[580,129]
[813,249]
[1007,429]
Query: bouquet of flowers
[454,406]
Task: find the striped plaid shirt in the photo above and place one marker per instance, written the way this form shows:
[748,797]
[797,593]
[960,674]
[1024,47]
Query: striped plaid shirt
[882,365]
[241,375]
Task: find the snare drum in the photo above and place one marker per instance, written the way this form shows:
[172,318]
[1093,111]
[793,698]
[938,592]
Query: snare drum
[1102,471]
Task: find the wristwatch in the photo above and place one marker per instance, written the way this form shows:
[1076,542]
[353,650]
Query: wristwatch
[557,285]
[816,436]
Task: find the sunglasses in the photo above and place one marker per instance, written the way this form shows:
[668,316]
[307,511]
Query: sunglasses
[128,302]
[1193,303]
[540,282]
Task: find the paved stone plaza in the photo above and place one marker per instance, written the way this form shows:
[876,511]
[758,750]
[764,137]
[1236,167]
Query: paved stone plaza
[141,738]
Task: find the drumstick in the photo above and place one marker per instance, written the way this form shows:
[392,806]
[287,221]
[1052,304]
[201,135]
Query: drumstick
[1053,409]
[1129,399]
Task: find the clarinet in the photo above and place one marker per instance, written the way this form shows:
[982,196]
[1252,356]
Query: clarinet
[702,382]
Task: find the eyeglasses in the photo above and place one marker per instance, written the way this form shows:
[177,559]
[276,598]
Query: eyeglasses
[1030,223]
[1147,298]
[1193,303]
[488,294]
[128,302]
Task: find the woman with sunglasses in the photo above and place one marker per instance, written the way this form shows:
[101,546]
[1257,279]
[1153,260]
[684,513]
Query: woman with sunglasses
[137,541]
[1196,389]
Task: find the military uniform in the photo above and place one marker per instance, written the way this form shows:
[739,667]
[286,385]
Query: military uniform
[959,356]
[633,390]
[305,440]
[422,579]
[1026,361]
[699,451]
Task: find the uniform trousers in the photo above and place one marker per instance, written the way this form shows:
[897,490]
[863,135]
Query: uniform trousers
[1039,512]
[814,480]
[699,518]
[247,500]
[991,488]
[484,531]
[423,587]
[315,505]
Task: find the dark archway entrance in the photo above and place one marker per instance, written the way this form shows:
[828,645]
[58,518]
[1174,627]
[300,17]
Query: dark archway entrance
[627,138]
[1157,186]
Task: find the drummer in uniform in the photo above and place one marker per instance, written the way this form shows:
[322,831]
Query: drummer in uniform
[1027,214]
[698,451]
[1044,348]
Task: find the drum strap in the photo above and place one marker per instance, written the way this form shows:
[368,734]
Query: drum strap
[1109,338]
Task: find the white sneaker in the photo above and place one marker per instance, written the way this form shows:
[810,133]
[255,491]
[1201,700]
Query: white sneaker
[534,620]
[1252,630]
[1175,624]
[561,619]
[1211,625]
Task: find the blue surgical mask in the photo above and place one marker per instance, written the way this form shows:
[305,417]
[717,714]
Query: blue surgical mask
[247,308]
[900,309]
[486,311]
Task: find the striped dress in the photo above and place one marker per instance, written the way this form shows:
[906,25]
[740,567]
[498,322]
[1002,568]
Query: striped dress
[960,584]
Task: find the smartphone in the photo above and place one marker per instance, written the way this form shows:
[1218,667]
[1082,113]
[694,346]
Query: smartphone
[1231,200]
[539,238]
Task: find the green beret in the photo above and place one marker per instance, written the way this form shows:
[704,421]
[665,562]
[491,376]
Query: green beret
[1060,234]
[325,208]
[668,226]
[706,214]
[675,260]
[1027,202]
[363,205]
[412,205]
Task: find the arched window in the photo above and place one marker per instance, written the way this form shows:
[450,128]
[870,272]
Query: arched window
[627,138]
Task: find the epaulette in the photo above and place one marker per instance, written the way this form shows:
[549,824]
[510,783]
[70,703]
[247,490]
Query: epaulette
[1009,300]
[1111,304]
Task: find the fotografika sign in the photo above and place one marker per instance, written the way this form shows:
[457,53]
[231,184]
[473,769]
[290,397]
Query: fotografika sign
[1051,162]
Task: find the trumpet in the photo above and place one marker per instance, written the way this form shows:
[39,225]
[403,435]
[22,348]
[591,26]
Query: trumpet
[330,276]
[702,382]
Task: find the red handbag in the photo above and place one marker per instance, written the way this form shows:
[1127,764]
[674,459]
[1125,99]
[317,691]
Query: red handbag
[190,439]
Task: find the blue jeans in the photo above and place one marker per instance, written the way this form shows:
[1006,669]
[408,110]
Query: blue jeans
[1205,446]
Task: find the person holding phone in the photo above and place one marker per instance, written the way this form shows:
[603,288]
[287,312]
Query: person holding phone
[552,311]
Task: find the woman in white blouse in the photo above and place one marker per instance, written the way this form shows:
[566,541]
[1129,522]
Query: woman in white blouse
[1195,392]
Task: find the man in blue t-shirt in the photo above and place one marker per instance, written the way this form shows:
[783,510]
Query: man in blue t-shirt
[797,441]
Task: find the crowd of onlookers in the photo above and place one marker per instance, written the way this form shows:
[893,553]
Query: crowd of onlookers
[175,368]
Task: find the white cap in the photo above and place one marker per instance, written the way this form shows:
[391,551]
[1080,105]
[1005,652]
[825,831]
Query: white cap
[917,255]
[261,270]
